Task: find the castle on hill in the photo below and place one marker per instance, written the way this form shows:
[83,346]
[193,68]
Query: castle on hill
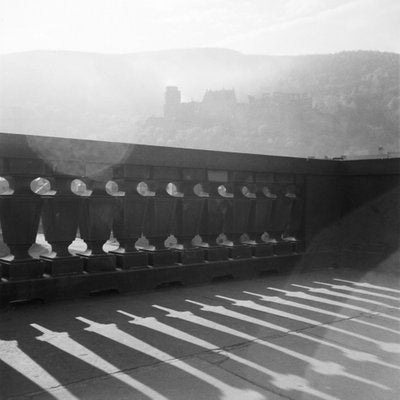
[221,106]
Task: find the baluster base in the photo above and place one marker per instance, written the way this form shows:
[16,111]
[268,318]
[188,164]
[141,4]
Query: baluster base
[216,253]
[98,262]
[162,258]
[299,246]
[240,251]
[284,248]
[62,266]
[18,270]
[190,256]
[263,250]
[131,259]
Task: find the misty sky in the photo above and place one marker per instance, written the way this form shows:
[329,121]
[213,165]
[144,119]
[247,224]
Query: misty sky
[250,26]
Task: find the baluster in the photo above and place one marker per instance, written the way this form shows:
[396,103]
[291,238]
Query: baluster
[279,214]
[292,232]
[280,220]
[226,191]
[261,219]
[216,209]
[4,190]
[190,213]
[20,210]
[242,204]
[214,215]
[96,220]
[175,190]
[162,211]
[60,217]
[162,215]
[130,218]
[247,215]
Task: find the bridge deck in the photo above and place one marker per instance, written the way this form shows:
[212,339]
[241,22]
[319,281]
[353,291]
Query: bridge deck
[286,345]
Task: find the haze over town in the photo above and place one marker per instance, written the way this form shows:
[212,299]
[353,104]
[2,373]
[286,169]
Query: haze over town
[99,69]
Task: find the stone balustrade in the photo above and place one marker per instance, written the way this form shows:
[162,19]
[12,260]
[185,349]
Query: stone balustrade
[164,207]
[232,216]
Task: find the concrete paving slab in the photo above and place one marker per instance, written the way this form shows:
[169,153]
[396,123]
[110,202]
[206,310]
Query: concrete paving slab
[383,344]
[380,370]
[45,351]
[336,386]
[173,383]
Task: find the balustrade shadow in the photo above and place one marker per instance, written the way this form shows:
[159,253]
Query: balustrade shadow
[60,344]
[246,351]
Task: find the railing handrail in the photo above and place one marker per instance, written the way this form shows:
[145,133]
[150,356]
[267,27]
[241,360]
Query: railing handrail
[29,146]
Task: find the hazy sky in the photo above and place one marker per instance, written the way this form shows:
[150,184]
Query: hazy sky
[250,26]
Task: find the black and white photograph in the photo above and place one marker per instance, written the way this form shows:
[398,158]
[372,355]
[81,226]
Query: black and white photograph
[199,199]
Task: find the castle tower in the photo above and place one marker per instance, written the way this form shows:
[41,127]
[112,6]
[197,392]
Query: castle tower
[172,102]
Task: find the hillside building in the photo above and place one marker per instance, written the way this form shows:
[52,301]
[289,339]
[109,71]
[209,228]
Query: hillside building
[222,106]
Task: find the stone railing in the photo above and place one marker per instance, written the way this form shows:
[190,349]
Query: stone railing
[164,207]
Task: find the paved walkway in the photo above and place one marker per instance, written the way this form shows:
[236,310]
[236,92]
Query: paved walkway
[260,339]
